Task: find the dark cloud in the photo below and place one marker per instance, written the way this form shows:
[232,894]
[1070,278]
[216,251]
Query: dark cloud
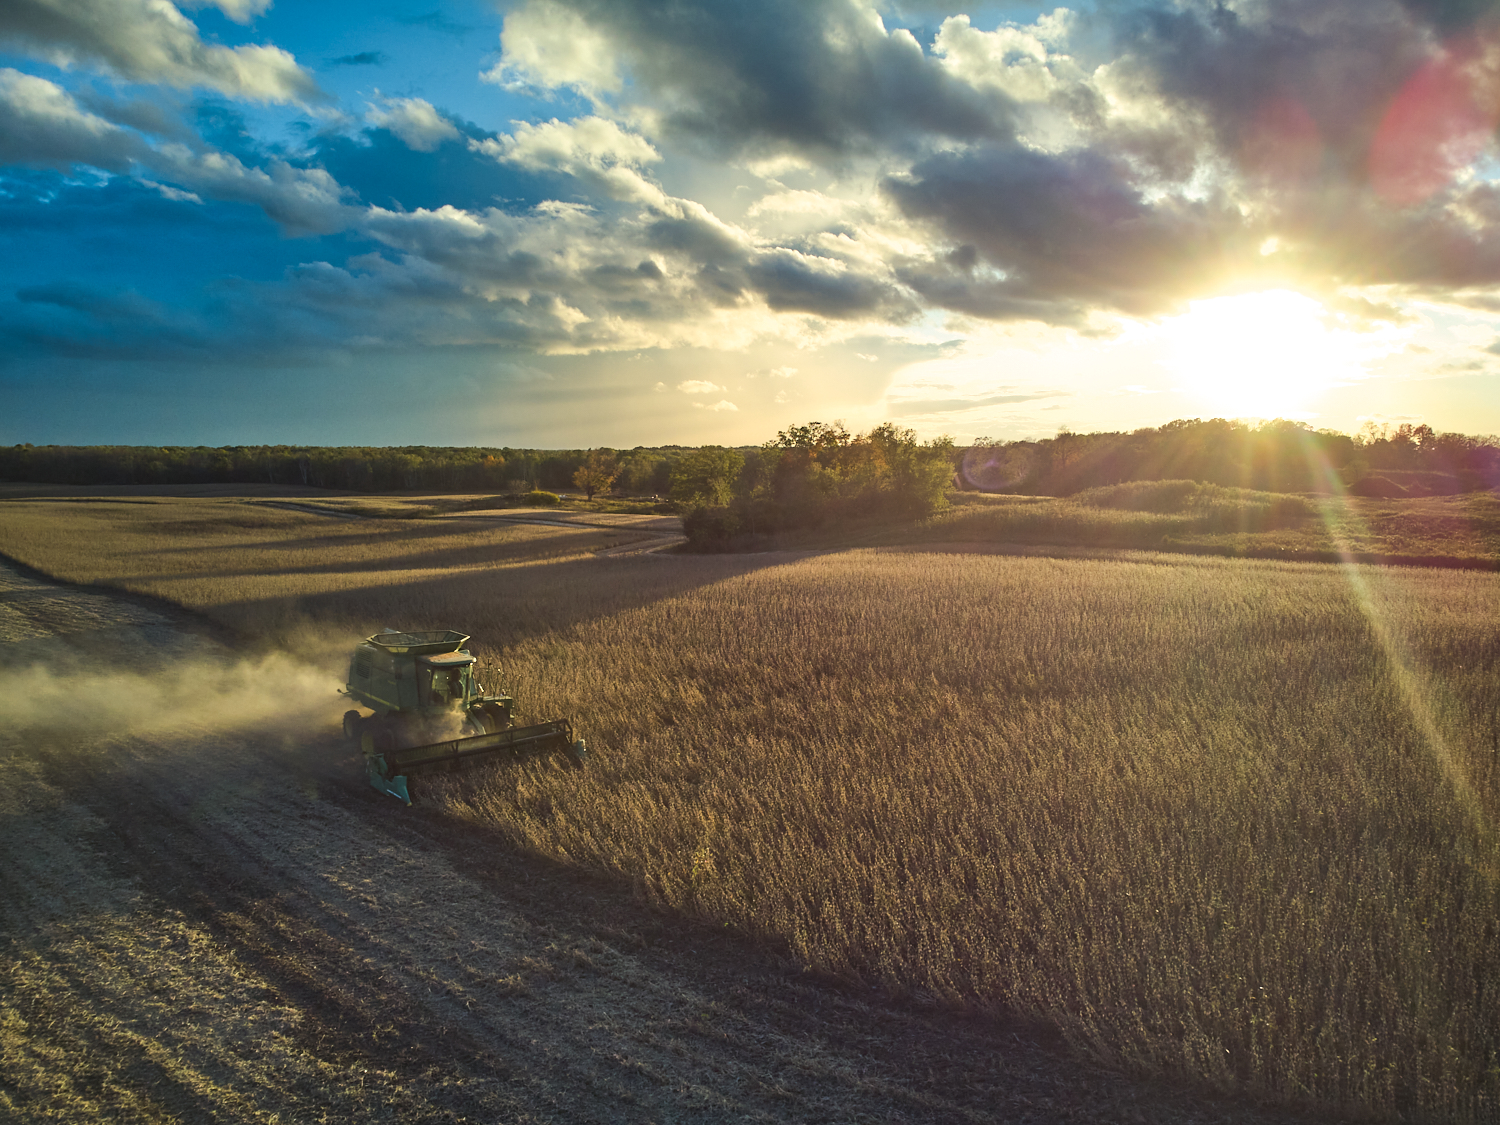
[222,125]
[112,307]
[1293,89]
[364,58]
[1448,16]
[151,117]
[790,282]
[1068,229]
[813,76]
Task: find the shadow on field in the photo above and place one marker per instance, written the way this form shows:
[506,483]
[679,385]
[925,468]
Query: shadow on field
[419,556]
[497,607]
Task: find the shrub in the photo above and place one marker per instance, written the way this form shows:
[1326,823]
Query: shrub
[539,498]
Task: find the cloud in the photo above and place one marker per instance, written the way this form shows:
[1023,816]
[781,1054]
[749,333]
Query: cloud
[363,58]
[151,41]
[955,405]
[414,120]
[545,44]
[590,149]
[302,200]
[699,387]
[46,128]
[819,77]
[794,281]
[722,406]
[1061,232]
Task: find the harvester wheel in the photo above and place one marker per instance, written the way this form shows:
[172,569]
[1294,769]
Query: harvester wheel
[352,723]
[499,716]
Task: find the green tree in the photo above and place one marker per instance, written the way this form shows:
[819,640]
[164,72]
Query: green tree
[705,478]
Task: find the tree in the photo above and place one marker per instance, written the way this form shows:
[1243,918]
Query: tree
[705,478]
[597,473]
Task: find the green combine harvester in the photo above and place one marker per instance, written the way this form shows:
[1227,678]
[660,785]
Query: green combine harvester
[423,690]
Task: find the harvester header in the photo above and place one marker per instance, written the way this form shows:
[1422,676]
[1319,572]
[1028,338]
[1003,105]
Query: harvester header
[423,689]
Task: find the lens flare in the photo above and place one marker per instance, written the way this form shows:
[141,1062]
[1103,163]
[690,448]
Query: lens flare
[1417,686]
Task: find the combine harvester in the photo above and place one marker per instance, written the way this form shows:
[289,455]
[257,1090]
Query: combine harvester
[422,687]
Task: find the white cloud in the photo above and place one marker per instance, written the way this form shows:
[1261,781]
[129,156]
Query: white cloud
[151,41]
[659,388]
[719,407]
[699,387]
[174,194]
[589,148]
[414,120]
[782,372]
[1014,60]
[811,203]
[547,45]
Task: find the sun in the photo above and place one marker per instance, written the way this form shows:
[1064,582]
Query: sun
[1260,355]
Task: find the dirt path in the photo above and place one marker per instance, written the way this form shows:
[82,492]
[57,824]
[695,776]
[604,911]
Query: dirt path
[228,925]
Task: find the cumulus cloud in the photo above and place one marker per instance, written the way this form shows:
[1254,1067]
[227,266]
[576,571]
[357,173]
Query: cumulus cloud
[302,200]
[1123,160]
[414,120]
[593,150]
[151,41]
[45,127]
[815,76]
[722,406]
[549,45]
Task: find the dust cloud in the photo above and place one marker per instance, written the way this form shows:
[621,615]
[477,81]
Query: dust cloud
[171,693]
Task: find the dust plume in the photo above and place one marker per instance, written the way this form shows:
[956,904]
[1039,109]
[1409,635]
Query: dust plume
[172,693]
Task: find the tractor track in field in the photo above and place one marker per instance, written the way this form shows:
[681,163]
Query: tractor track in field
[229,925]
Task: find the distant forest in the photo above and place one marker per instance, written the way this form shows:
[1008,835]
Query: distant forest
[1277,456]
[417,468]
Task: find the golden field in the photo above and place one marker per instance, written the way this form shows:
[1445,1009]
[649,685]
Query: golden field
[1222,819]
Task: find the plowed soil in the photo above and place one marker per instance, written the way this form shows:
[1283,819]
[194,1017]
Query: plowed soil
[229,925]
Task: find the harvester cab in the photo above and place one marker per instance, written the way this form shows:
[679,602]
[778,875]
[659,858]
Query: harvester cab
[431,713]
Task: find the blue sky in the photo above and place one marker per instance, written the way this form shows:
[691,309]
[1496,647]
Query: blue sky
[621,222]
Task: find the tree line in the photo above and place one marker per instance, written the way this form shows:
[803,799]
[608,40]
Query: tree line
[1277,456]
[809,474]
[639,471]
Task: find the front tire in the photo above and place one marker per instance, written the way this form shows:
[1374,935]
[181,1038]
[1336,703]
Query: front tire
[352,725]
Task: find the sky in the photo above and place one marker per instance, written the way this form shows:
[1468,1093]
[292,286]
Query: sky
[575,223]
